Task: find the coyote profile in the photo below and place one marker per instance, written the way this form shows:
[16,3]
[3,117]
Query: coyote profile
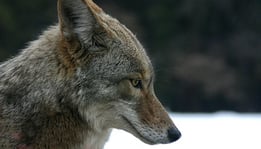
[80,79]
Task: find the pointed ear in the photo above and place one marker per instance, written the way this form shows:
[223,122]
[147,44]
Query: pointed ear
[77,19]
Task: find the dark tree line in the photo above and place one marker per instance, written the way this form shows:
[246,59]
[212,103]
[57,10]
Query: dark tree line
[207,53]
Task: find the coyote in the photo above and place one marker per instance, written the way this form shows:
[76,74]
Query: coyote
[81,78]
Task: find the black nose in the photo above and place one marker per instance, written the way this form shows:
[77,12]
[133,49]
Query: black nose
[173,134]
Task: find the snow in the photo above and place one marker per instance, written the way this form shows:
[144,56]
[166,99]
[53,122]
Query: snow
[221,130]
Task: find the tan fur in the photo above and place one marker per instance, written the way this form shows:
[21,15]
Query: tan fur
[95,9]
[81,78]
[64,54]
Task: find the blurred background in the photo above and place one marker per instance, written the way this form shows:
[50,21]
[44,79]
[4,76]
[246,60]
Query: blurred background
[206,53]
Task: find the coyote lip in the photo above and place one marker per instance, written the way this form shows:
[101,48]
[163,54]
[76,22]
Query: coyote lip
[137,133]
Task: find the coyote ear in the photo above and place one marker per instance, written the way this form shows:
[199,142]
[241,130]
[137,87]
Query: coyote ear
[77,19]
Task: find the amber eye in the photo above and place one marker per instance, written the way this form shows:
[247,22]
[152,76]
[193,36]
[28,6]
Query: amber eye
[136,83]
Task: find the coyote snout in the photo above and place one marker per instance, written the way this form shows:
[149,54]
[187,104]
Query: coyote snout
[140,111]
[81,78]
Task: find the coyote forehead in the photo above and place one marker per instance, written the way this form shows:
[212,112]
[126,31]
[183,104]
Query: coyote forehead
[128,43]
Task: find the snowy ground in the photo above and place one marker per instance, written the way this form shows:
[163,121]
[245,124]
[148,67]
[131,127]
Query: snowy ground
[203,131]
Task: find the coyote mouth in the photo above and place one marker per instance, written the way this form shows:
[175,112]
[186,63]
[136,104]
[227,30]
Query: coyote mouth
[136,132]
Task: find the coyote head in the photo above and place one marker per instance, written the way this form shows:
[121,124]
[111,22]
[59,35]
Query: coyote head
[114,75]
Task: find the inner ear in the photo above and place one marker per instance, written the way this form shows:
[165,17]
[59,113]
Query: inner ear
[76,20]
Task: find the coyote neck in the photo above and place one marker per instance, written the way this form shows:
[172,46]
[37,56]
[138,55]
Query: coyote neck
[59,131]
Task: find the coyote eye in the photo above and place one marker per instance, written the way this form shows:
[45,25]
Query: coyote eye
[136,83]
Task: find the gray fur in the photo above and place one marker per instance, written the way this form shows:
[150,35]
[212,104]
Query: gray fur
[68,88]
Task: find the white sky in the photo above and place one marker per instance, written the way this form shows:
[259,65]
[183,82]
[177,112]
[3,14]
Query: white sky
[203,131]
